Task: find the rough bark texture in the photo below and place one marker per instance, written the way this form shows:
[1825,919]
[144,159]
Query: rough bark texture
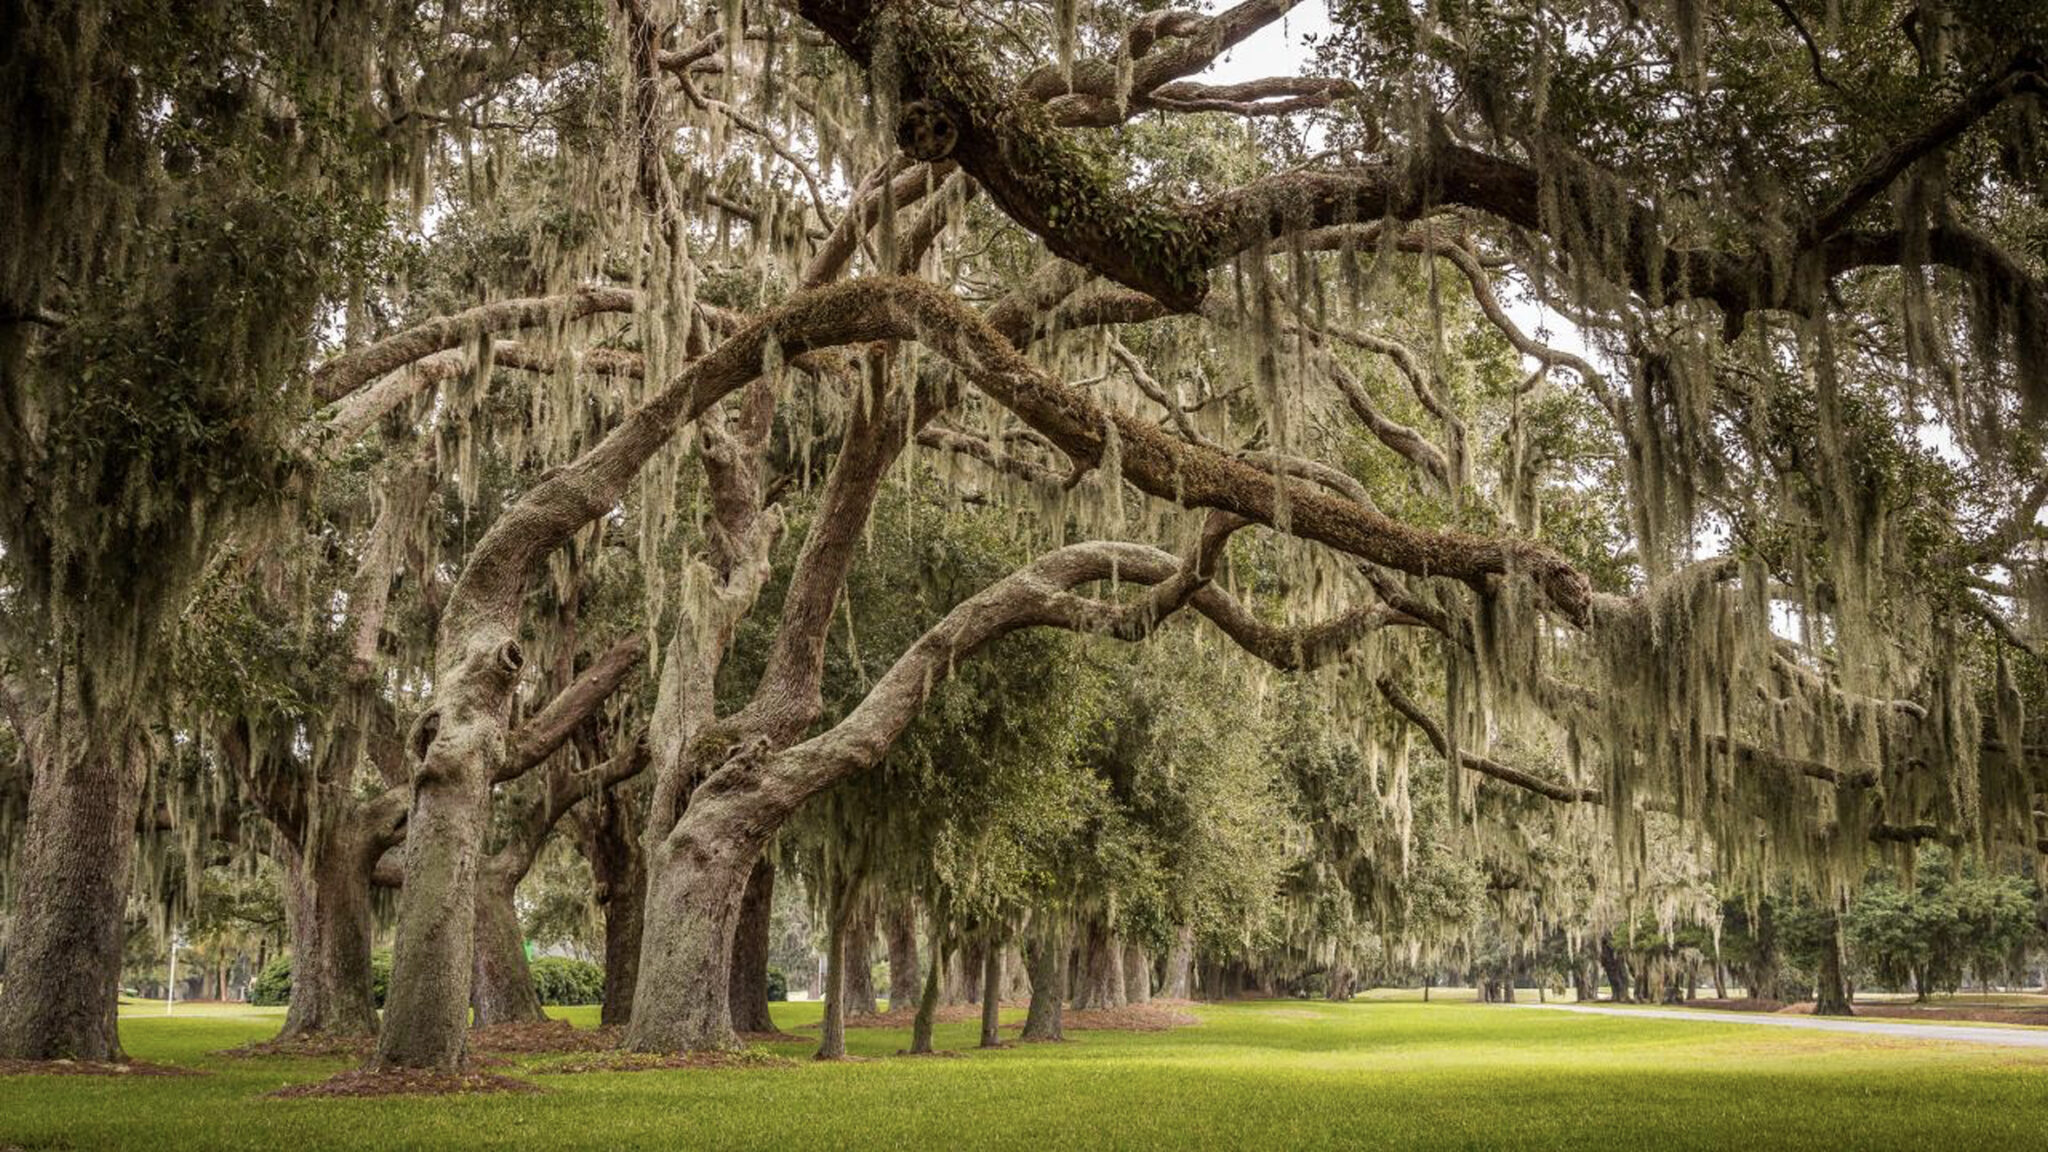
[1137,975]
[832,1030]
[1102,970]
[1045,958]
[992,995]
[611,845]
[501,991]
[64,943]
[1832,996]
[1180,964]
[1617,972]
[928,1000]
[899,927]
[860,968]
[331,926]
[749,982]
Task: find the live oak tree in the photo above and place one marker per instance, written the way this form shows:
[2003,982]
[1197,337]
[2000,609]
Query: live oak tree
[1761,564]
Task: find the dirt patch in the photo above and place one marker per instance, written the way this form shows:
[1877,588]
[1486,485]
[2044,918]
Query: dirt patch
[1950,1013]
[1157,1016]
[540,1036]
[92,1068]
[655,1062]
[362,1083]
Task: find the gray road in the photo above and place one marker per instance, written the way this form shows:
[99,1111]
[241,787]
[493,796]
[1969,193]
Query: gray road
[1958,1033]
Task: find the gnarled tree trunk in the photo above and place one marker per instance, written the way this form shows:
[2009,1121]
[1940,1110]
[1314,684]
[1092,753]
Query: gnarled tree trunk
[501,991]
[1180,965]
[899,927]
[860,967]
[612,847]
[1045,957]
[64,943]
[1137,975]
[333,988]
[1832,996]
[749,976]
[992,994]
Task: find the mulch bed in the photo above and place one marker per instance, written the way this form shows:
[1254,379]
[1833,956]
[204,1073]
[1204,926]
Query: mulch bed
[362,1083]
[540,1036]
[1153,1017]
[92,1068]
[655,1062]
[316,1046]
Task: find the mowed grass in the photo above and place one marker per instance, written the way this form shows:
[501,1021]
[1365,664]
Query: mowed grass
[1371,1074]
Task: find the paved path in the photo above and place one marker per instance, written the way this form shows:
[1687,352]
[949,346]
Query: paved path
[1960,1033]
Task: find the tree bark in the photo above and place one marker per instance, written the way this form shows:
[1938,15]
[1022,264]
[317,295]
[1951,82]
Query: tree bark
[1137,975]
[1045,958]
[860,968]
[749,983]
[64,945]
[992,994]
[1832,995]
[832,1031]
[501,990]
[899,925]
[328,911]
[1617,971]
[1180,963]
[683,1001]
[612,846]
[928,1001]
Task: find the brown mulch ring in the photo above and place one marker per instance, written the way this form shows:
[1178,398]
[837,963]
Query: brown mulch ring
[92,1068]
[947,1053]
[774,1037]
[1157,1016]
[654,1062]
[314,1046]
[540,1036]
[363,1083]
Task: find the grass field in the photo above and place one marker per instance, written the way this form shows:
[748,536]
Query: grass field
[1371,1074]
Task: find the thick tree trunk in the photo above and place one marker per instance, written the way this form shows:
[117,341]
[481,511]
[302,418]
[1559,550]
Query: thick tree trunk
[1180,965]
[860,967]
[928,1001]
[1832,998]
[992,994]
[501,990]
[1137,975]
[1617,972]
[612,846]
[426,1014]
[899,925]
[832,1031]
[64,943]
[749,982]
[328,910]
[1102,969]
[1045,958]
[697,880]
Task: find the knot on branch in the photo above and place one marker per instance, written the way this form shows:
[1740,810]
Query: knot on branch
[925,132]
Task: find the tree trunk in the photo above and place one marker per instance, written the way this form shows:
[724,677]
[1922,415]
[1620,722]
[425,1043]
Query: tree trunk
[1137,975]
[611,844]
[899,926]
[426,1014]
[992,994]
[860,968]
[1045,958]
[749,973]
[1180,964]
[1102,971]
[1832,997]
[64,945]
[697,879]
[1617,972]
[832,1031]
[501,991]
[928,1002]
[328,910]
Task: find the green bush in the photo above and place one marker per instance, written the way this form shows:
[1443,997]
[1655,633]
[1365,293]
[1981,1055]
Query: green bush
[561,980]
[778,985]
[273,985]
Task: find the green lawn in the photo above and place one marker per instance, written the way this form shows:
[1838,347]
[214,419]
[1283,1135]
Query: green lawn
[1380,1073]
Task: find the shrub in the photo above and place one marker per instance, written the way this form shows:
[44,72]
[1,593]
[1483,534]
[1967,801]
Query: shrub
[273,985]
[778,985]
[561,980]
